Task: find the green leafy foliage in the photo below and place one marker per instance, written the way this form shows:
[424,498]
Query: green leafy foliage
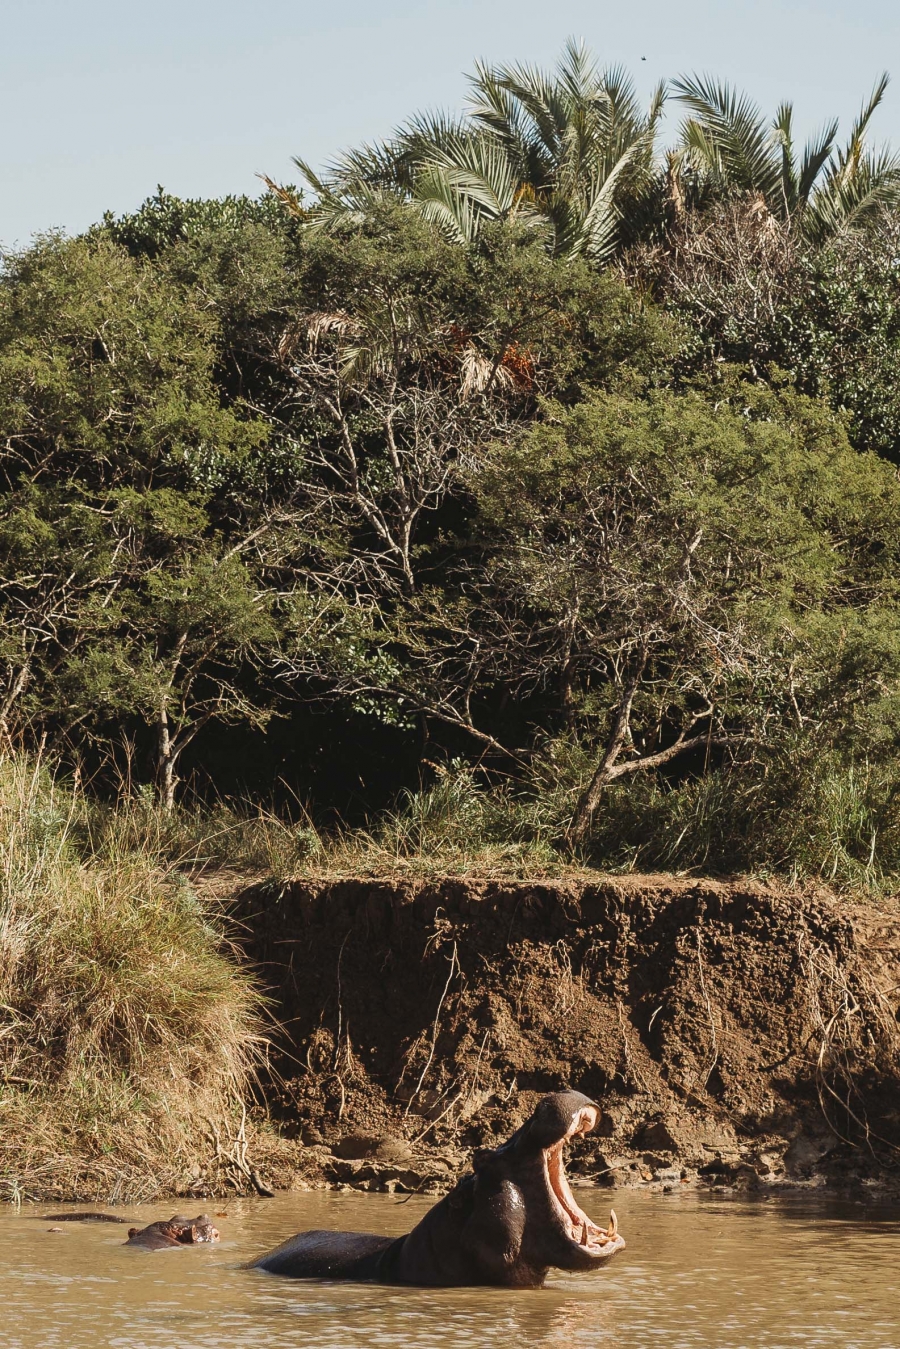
[125,595]
[702,578]
[619,569]
[824,318]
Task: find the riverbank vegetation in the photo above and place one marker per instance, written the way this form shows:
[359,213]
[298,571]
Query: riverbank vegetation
[528,492]
[130,1036]
[520,497]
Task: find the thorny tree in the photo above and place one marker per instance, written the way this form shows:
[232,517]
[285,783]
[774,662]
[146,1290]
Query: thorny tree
[662,577]
[691,572]
[414,360]
[128,590]
[389,413]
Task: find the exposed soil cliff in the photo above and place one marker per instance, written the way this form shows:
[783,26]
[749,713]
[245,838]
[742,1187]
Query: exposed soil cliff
[733,1032]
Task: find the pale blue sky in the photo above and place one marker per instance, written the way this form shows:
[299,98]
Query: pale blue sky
[101,101]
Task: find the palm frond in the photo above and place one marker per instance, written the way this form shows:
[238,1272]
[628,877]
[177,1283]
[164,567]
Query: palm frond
[438,199]
[479,167]
[783,128]
[858,184]
[657,106]
[851,155]
[578,73]
[740,148]
[494,109]
[309,173]
[541,102]
[338,203]
[377,164]
[596,237]
[815,157]
[850,201]
[624,108]
[353,205]
[288,199]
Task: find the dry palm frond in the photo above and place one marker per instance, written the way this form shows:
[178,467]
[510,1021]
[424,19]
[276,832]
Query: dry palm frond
[478,371]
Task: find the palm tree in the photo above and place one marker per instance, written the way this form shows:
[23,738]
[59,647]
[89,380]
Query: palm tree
[727,146]
[562,152]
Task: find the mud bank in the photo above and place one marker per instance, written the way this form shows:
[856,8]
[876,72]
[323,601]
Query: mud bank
[735,1033]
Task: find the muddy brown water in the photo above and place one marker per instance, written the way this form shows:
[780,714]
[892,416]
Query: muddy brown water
[699,1271]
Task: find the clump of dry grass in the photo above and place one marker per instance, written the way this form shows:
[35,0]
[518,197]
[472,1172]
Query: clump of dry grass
[128,1033]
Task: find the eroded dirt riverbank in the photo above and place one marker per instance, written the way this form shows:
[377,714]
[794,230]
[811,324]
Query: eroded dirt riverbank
[736,1034]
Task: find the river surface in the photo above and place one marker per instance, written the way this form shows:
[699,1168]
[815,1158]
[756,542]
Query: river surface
[699,1271]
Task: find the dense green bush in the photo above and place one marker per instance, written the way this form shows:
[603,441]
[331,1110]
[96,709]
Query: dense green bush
[753,293]
[621,567]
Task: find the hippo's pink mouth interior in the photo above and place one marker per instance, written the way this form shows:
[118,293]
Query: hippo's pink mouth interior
[579,1227]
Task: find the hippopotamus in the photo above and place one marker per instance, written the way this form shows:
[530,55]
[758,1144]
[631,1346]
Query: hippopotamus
[175,1231]
[506,1223]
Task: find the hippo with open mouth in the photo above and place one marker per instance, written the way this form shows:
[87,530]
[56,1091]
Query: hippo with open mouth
[507,1223]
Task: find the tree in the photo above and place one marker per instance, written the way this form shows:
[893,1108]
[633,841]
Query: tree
[128,589]
[751,291]
[728,147]
[687,578]
[561,151]
[571,154]
[408,358]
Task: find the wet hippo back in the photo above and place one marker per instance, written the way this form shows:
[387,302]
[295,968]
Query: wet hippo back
[81,1218]
[331,1255]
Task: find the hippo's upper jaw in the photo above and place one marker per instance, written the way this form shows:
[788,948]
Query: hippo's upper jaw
[589,1244]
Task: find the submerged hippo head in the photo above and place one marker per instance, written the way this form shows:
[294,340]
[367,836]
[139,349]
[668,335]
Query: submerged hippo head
[177,1231]
[507,1222]
[521,1188]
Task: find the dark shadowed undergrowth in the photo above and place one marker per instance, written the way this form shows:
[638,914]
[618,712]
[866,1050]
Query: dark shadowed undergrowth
[801,814]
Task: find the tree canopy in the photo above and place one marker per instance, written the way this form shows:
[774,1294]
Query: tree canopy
[582,498]
[570,153]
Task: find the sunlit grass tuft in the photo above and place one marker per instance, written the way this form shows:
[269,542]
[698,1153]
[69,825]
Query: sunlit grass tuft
[128,1033]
